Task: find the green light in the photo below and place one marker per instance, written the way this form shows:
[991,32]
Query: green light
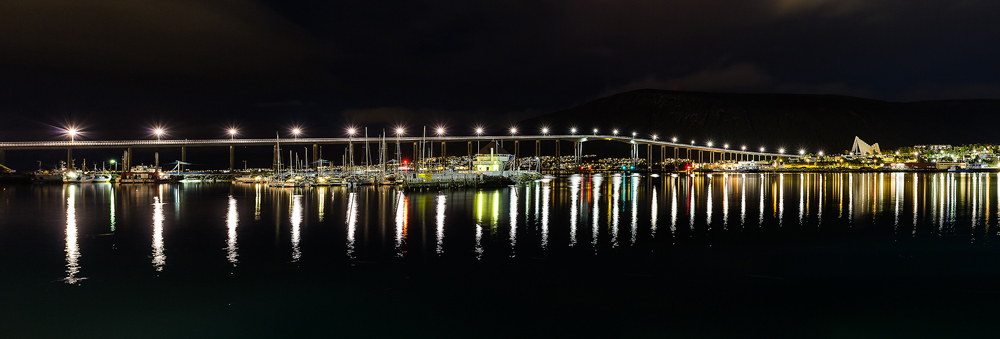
[113,161]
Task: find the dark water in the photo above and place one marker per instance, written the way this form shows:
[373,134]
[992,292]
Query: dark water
[816,255]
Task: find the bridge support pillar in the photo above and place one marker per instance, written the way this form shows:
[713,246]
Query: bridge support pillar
[470,150]
[577,153]
[231,158]
[315,157]
[517,148]
[69,158]
[558,156]
[649,158]
[3,156]
[444,150]
[538,149]
[184,158]
[416,152]
[127,165]
[663,158]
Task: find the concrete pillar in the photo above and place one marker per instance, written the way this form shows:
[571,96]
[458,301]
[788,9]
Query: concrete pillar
[127,166]
[444,149]
[517,148]
[315,157]
[184,157]
[649,158]
[577,153]
[538,148]
[416,152]
[69,158]
[470,149]
[558,156]
[3,156]
[231,158]
[274,158]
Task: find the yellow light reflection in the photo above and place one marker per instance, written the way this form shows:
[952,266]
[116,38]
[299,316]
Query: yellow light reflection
[402,217]
[546,202]
[513,220]
[616,187]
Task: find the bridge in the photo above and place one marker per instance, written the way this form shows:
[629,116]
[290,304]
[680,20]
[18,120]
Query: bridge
[714,153]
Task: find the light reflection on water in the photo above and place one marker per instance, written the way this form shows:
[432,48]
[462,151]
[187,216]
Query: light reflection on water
[545,217]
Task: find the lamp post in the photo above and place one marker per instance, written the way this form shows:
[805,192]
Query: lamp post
[232,134]
[72,133]
[159,133]
[595,131]
[296,131]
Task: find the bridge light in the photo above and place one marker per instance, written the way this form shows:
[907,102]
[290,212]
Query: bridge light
[513,130]
[762,150]
[479,131]
[802,151]
[709,144]
[615,132]
[232,133]
[743,148]
[72,132]
[399,131]
[440,131]
[781,150]
[726,146]
[545,130]
[820,153]
[351,131]
[674,139]
[572,130]
[296,131]
[654,136]
[595,131]
[158,131]
[692,142]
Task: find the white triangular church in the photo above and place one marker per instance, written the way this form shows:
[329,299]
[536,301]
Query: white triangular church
[862,148]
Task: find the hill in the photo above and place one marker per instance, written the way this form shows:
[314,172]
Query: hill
[813,122]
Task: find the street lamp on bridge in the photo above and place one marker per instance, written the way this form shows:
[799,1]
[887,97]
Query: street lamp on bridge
[573,130]
[232,134]
[159,132]
[296,131]
[513,130]
[72,132]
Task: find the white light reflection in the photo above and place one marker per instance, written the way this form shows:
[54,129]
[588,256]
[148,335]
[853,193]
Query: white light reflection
[725,201]
[743,200]
[352,222]
[232,220]
[546,197]
[819,210]
[653,213]
[112,201]
[635,206]
[597,179]
[760,219]
[513,221]
[402,220]
[708,205]
[802,196]
[439,217]
[781,199]
[72,244]
[296,220]
[673,207]
[479,242]
[159,258]
[616,195]
[574,211]
[256,209]
[321,193]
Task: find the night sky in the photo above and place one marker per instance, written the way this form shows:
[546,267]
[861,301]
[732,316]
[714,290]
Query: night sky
[117,67]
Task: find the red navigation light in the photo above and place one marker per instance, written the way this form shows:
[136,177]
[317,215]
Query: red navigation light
[405,161]
[687,167]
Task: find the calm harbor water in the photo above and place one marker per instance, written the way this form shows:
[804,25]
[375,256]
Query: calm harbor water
[614,254]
